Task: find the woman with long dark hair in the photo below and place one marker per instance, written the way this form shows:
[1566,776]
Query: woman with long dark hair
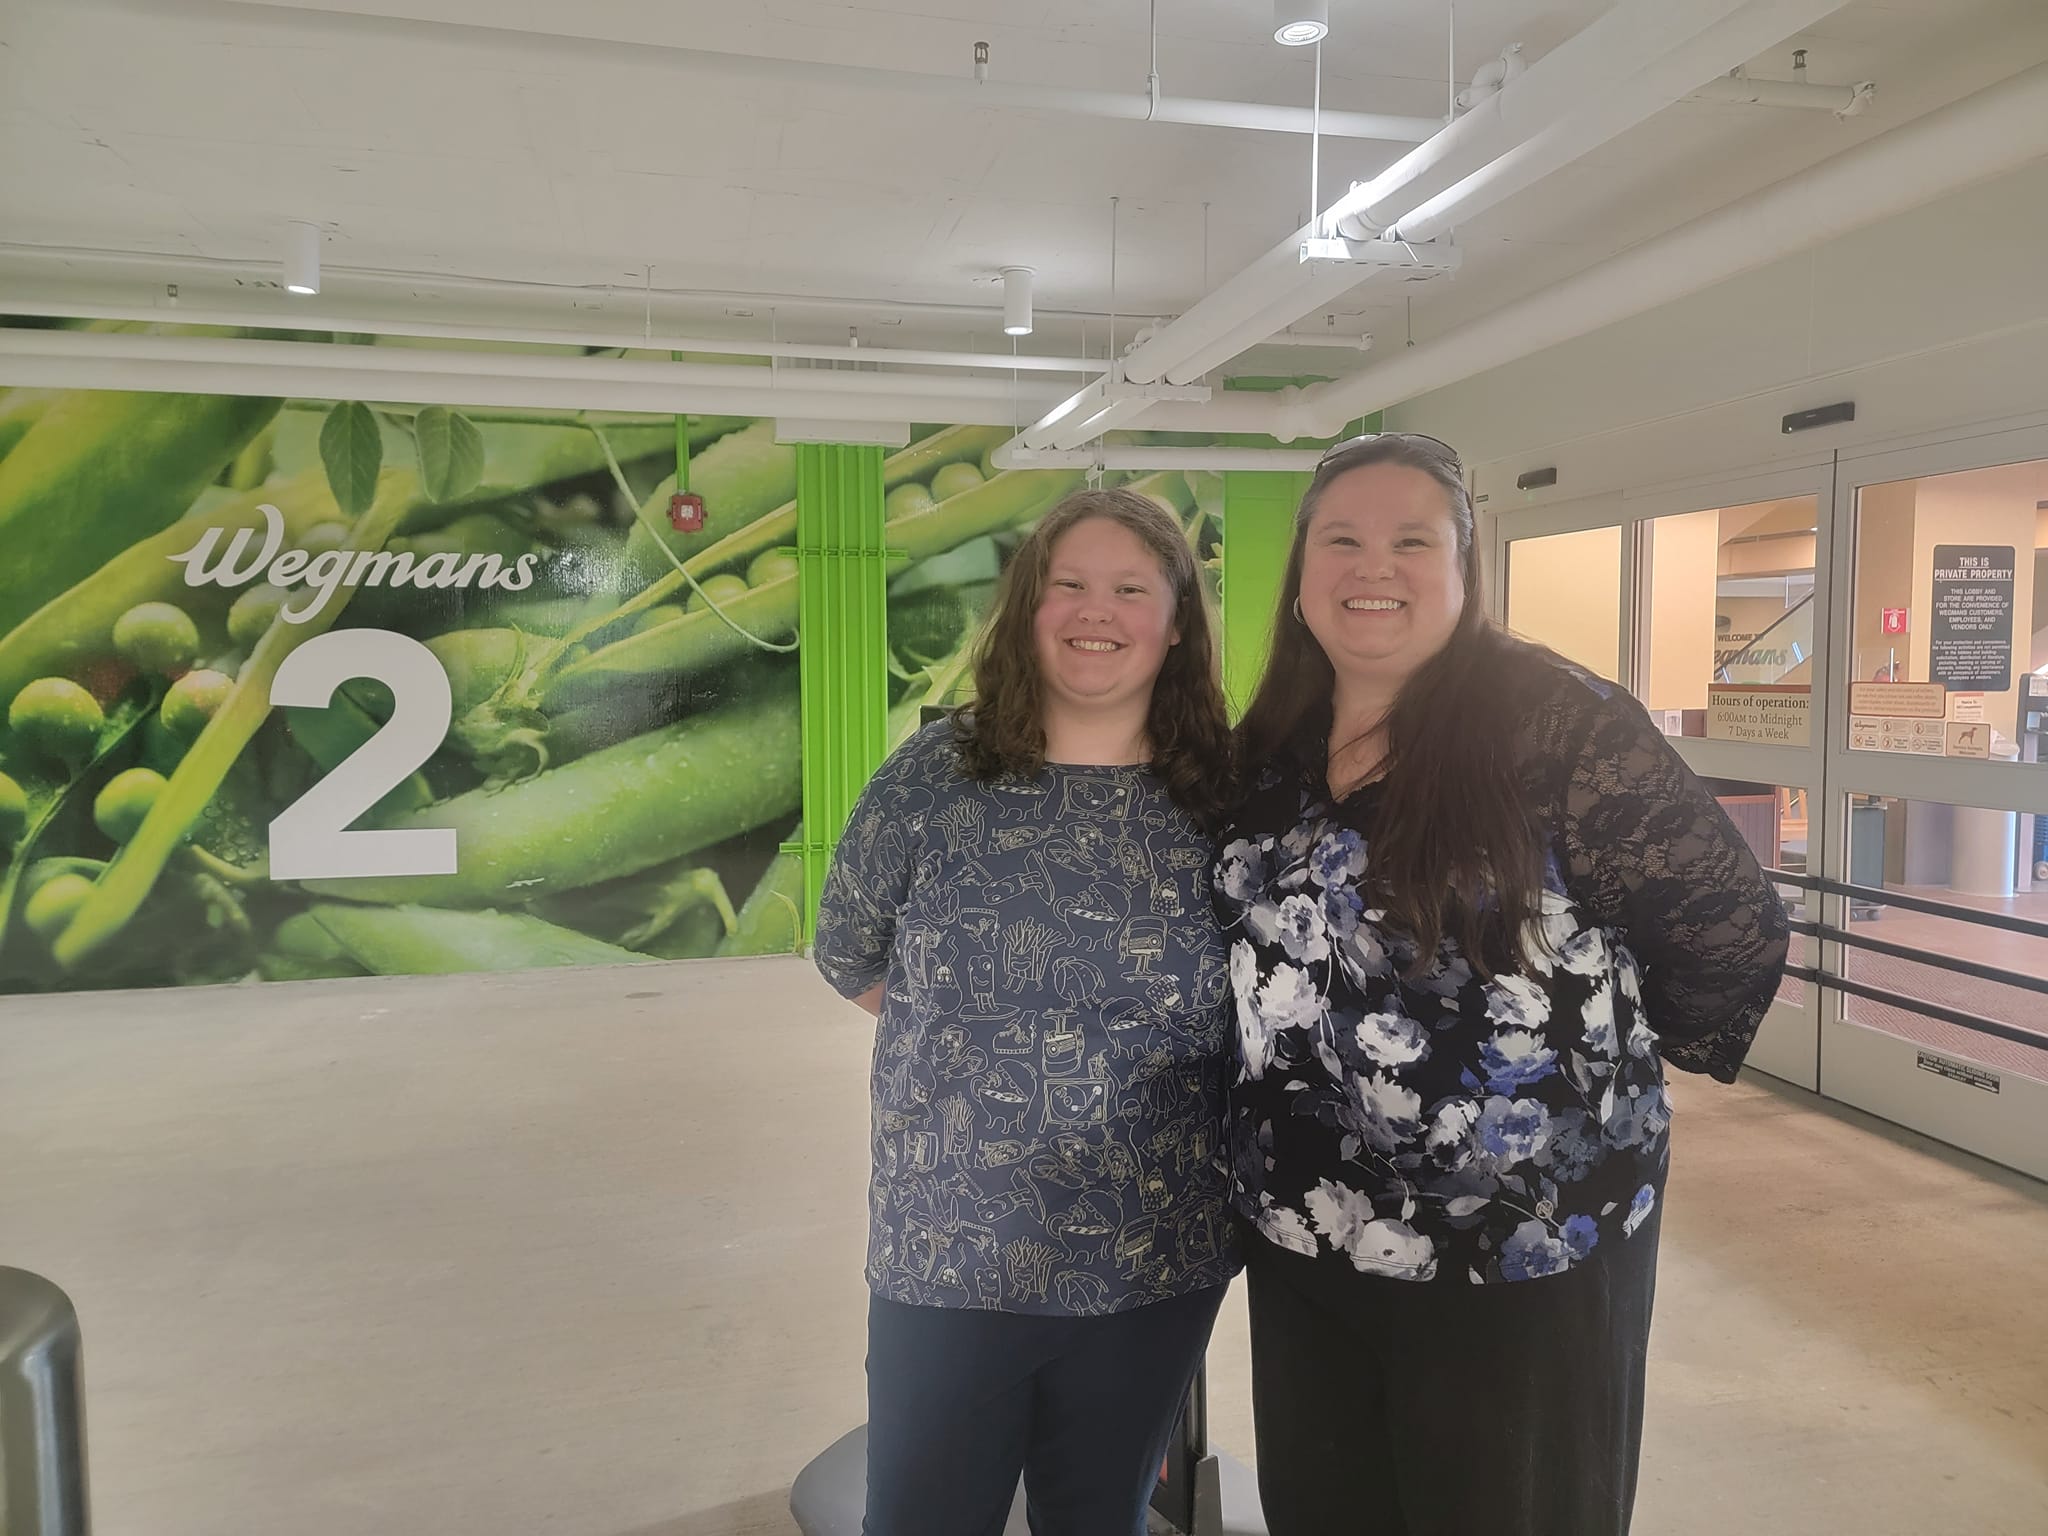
[1475,900]
[1022,897]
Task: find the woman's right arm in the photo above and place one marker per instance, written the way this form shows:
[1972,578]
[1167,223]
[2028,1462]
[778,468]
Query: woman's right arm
[869,881]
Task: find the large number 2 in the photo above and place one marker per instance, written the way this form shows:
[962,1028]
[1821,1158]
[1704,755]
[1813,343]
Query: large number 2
[310,839]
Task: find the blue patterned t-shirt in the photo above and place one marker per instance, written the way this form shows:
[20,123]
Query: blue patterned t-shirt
[1049,1069]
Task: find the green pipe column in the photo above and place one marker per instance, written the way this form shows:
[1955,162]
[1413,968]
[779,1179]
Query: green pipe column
[843,661]
[1258,527]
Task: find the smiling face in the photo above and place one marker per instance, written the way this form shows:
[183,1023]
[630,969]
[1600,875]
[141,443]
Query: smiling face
[1382,580]
[1106,620]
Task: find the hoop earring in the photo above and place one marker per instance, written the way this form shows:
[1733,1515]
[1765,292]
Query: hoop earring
[1297,614]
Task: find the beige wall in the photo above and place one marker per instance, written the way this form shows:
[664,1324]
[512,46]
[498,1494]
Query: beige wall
[1771,556]
[1884,574]
[1564,591]
[1684,552]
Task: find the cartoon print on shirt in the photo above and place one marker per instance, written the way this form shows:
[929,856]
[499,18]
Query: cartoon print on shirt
[1038,942]
[1006,1094]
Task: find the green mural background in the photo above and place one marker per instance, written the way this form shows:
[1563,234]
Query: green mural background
[620,754]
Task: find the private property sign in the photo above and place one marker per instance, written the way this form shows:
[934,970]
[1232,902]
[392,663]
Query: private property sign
[1970,643]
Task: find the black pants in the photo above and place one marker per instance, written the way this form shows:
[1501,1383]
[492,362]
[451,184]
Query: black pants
[1442,1408]
[961,1401]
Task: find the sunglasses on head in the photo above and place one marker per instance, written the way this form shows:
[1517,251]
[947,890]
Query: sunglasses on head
[1436,447]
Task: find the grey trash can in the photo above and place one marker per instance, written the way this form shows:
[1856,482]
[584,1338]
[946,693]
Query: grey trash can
[42,1410]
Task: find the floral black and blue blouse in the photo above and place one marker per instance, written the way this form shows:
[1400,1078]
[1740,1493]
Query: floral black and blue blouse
[1425,1123]
[1054,1041]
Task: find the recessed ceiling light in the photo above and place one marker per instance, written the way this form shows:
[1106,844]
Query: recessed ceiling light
[1297,23]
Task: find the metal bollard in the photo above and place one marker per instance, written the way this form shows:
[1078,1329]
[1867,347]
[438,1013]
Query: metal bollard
[42,1411]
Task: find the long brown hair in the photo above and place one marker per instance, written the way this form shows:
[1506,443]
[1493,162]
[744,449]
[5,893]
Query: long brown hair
[1002,733]
[1455,848]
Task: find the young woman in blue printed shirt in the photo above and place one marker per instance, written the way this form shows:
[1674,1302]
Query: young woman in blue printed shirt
[1022,897]
[1474,901]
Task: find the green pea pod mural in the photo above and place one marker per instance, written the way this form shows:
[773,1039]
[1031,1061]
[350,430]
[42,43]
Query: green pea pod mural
[307,689]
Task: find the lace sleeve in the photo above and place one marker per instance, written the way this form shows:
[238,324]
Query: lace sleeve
[1650,853]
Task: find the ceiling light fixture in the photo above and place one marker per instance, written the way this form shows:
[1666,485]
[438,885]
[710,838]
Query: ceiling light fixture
[1297,23]
[302,258]
[1016,301]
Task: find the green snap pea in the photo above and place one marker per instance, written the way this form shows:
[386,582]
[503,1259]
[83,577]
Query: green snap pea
[953,479]
[254,612]
[157,637]
[772,566]
[1003,502]
[416,940]
[193,700]
[906,499]
[102,470]
[57,717]
[715,591]
[660,614]
[625,808]
[953,445]
[122,805]
[55,902]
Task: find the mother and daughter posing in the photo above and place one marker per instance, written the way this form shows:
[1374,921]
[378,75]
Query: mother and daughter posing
[1369,998]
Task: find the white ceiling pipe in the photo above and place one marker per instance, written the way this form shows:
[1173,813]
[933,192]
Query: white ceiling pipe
[1994,132]
[499,390]
[630,297]
[1009,456]
[1248,335]
[1359,343]
[1272,413]
[124,347]
[150,267]
[1731,41]
[1842,100]
[795,74]
[296,319]
[1629,38]
[1589,75]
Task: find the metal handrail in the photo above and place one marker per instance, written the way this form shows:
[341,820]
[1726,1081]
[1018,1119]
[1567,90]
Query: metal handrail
[1879,896]
[1997,1028]
[42,1411]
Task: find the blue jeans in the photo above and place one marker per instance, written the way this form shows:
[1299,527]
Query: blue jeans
[960,1402]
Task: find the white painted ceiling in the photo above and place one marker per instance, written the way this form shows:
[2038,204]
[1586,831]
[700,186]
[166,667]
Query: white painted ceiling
[189,128]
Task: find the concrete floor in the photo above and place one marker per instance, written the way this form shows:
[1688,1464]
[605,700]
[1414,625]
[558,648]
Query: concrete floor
[578,1253]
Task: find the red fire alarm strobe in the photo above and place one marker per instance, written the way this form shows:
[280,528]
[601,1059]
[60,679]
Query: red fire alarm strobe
[686,512]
